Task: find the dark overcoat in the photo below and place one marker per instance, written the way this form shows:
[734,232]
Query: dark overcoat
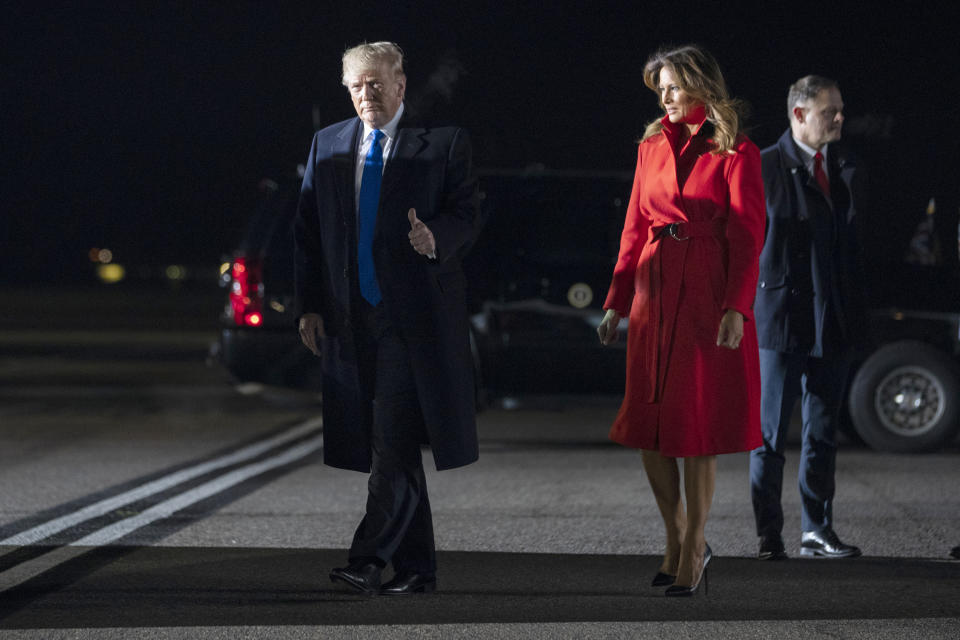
[430,170]
[810,291]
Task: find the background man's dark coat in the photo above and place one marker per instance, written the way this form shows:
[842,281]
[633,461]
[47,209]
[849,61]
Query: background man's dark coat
[809,249]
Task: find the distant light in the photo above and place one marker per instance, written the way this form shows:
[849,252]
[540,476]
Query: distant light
[249,388]
[276,306]
[224,267]
[254,319]
[239,267]
[94,254]
[105,256]
[111,273]
[580,295]
[898,315]
[176,272]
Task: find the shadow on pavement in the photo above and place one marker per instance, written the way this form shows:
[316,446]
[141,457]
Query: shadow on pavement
[158,586]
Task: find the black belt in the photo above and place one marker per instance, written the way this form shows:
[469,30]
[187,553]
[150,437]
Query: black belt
[686,230]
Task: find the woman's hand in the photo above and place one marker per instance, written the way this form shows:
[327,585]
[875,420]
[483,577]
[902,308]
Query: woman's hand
[731,329]
[608,327]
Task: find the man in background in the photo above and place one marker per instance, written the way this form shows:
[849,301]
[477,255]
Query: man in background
[808,312]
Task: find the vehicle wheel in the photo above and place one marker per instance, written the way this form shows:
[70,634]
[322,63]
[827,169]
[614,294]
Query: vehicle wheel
[906,398]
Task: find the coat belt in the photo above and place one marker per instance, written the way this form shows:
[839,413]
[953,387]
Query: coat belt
[690,229]
[661,317]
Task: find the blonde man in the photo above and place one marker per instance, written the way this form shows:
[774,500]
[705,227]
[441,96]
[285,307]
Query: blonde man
[387,211]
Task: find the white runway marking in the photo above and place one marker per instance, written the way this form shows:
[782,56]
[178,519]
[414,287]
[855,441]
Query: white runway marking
[103,507]
[25,571]
[167,508]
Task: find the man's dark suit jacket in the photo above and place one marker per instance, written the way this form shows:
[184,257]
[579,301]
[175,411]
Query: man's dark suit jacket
[430,170]
[809,295]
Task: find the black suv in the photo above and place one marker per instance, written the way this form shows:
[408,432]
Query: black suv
[537,278]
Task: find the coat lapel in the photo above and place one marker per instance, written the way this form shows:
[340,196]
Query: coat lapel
[410,143]
[841,171]
[794,163]
[343,150]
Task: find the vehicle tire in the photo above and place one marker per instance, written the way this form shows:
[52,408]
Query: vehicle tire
[905,398]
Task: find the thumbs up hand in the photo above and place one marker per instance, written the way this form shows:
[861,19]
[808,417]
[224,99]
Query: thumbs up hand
[421,238]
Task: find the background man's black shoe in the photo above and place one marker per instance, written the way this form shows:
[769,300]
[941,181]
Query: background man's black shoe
[408,582]
[364,578]
[826,544]
[955,552]
[771,548]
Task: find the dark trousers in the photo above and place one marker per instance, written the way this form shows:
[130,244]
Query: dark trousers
[397,526]
[820,384]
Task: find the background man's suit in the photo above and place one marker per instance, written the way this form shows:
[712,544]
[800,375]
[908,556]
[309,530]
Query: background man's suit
[808,312]
[412,350]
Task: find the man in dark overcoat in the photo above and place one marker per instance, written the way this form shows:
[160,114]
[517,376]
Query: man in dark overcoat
[808,310]
[387,212]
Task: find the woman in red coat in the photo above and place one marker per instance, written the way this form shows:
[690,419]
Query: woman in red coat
[686,276]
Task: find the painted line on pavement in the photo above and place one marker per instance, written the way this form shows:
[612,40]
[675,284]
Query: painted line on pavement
[32,568]
[103,507]
[167,508]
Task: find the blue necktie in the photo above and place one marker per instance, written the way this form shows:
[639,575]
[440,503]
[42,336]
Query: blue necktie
[368,203]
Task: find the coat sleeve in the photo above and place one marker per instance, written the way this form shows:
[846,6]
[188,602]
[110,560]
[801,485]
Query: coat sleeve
[308,249]
[746,222]
[461,218]
[632,241]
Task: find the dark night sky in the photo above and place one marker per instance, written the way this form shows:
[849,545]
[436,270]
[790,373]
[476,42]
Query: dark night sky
[148,129]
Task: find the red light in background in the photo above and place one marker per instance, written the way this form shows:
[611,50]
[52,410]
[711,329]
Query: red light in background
[246,297]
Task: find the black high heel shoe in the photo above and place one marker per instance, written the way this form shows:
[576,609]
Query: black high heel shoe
[662,579]
[677,591]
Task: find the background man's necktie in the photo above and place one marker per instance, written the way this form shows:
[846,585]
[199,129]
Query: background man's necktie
[368,203]
[819,174]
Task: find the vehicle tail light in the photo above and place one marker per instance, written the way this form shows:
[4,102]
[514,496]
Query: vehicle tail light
[246,291]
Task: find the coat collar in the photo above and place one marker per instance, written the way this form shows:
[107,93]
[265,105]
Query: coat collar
[837,157]
[411,141]
[673,131]
[791,153]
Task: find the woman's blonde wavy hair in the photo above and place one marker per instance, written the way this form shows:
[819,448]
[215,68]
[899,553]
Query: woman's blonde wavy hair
[698,74]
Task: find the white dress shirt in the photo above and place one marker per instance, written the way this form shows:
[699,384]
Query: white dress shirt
[366,139]
[808,152]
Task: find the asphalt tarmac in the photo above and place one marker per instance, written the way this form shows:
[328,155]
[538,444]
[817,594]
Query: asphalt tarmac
[211,515]
[139,587]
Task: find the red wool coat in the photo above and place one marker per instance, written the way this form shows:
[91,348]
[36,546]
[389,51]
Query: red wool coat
[685,396]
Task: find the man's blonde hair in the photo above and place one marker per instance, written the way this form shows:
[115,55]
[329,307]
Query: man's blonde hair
[370,55]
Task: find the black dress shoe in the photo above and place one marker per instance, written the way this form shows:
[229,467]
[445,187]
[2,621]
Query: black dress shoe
[362,577]
[955,552]
[662,579]
[771,548]
[408,582]
[679,591]
[826,544]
